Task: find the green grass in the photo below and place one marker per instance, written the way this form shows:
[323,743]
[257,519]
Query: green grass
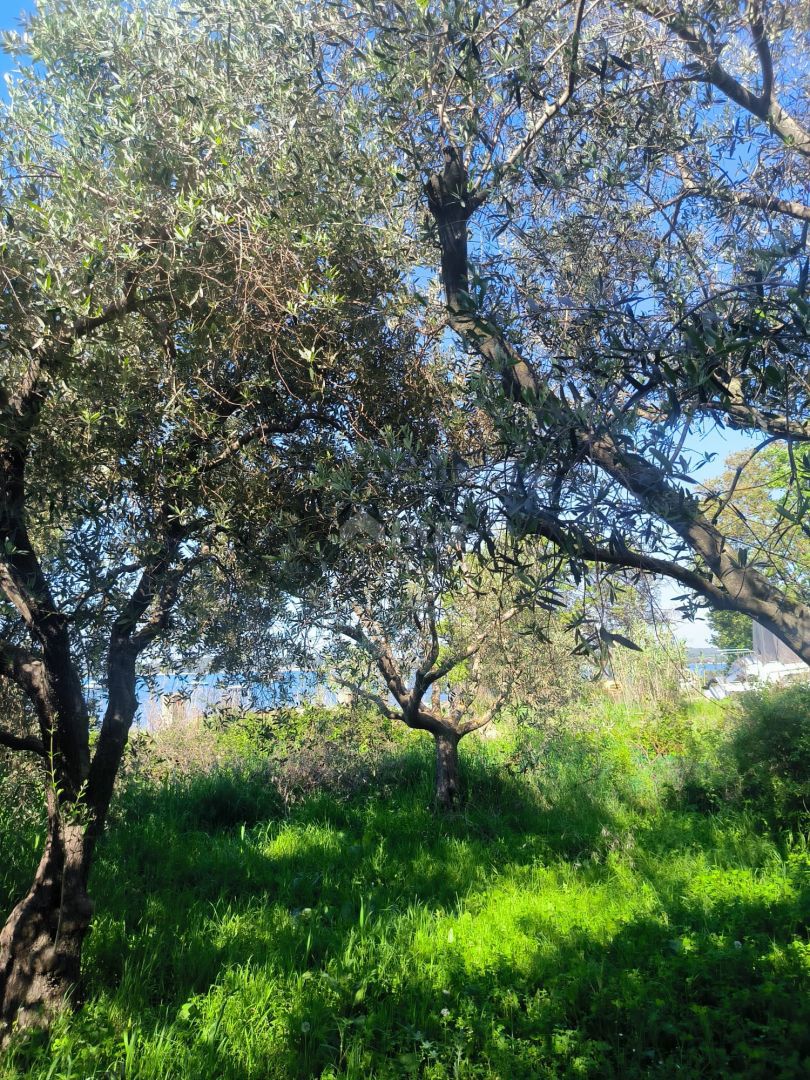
[566,924]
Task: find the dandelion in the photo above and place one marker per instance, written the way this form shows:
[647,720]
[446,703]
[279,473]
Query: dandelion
[305,1027]
[445,1012]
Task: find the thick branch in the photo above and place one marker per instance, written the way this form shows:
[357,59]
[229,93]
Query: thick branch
[25,743]
[13,593]
[478,722]
[764,106]
[576,542]
[156,590]
[749,590]
[27,671]
[115,310]
[737,414]
[760,40]
[693,188]
[788,207]
[381,654]
[433,651]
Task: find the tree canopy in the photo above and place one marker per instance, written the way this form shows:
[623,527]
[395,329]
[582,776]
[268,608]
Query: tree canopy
[632,180]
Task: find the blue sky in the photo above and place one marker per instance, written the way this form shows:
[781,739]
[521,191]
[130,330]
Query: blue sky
[10,20]
[9,12]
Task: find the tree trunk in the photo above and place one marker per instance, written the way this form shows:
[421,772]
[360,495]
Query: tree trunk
[41,942]
[448,786]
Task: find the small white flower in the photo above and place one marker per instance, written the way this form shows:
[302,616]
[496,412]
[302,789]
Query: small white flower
[737,944]
[445,1012]
[306,1026]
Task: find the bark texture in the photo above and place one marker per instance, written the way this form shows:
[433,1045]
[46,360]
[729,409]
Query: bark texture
[41,942]
[448,779]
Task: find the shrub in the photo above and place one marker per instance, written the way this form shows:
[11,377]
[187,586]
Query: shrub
[340,750]
[771,748]
[297,750]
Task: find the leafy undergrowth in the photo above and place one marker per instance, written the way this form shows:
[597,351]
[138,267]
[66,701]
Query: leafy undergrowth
[571,921]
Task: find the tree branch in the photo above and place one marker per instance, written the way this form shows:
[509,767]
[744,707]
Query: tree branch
[550,111]
[788,207]
[764,106]
[480,722]
[749,590]
[692,188]
[737,414]
[262,431]
[27,671]
[575,542]
[459,657]
[25,743]
[380,652]
[116,309]
[763,49]
[377,699]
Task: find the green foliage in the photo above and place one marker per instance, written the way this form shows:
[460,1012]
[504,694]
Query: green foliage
[296,750]
[568,924]
[311,748]
[755,755]
[729,629]
[760,502]
[22,824]
[772,751]
[284,730]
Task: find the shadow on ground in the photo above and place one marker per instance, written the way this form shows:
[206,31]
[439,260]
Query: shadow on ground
[530,936]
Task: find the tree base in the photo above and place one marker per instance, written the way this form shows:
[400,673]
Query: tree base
[448,777]
[41,942]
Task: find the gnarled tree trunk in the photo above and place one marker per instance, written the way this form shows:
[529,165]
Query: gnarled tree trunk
[448,778]
[41,942]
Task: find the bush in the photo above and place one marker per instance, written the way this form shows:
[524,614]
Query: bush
[771,749]
[339,750]
[297,751]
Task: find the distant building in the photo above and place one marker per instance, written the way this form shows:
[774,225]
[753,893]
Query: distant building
[770,662]
[769,649]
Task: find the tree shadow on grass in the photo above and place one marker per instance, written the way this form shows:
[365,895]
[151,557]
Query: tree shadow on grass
[668,996]
[371,937]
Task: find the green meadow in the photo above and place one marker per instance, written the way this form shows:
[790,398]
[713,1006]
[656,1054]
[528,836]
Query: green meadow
[622,898]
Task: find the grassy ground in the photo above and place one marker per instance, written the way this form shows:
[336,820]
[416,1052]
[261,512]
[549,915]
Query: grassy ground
[575,920]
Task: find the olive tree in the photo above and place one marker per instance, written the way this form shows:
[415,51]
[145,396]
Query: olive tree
[391,612]
[633,177]
[190,320]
